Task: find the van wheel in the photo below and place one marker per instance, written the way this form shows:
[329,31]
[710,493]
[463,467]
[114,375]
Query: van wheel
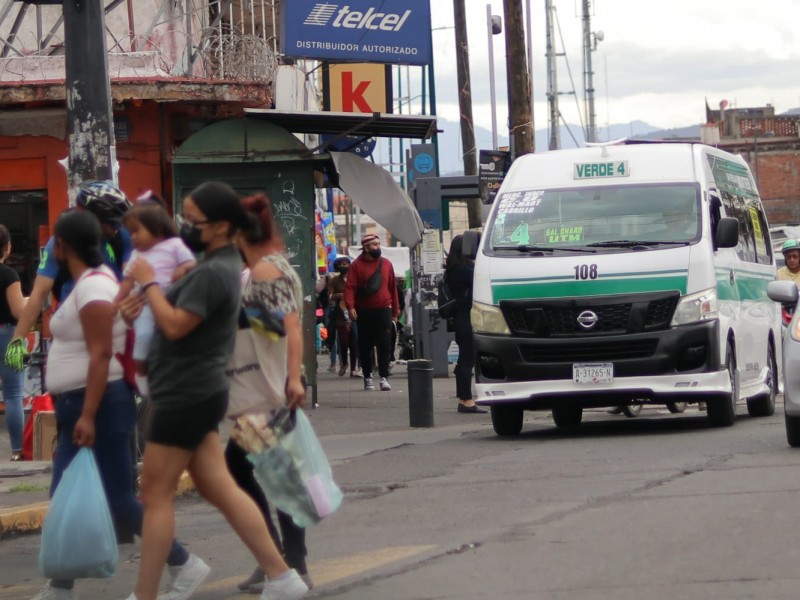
[676,407]
[506,420]
[763,405]
[793,431]
[567,415]
[722,411]
[631,410]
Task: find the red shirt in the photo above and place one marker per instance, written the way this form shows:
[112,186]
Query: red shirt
[360,271]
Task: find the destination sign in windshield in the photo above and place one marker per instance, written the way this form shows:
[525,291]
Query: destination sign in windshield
[598,170]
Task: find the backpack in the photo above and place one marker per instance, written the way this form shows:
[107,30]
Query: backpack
[446,300]
[374,282]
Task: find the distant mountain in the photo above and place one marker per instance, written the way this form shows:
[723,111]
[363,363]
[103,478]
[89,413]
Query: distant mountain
[450,152]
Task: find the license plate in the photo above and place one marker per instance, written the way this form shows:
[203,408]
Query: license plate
[593,372]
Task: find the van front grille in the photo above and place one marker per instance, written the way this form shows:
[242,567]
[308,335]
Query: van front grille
[612,315]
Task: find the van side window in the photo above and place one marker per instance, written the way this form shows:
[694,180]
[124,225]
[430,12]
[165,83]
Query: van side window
[761,231]
[738,207]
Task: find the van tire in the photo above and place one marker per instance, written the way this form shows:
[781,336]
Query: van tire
[676,406]
[793,431]
[567,414]
[763,405]
[506,420]
[722,410]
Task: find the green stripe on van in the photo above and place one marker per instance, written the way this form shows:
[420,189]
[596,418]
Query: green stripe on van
[749,286]
[597,287]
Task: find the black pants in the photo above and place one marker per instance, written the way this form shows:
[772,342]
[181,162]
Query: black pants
[466,355]
[292,541]
[348,343]
[374,327]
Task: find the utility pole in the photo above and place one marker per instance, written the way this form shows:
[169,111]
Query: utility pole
[588,73]
[554,139]
[469,153]
[519,99]
[90,125]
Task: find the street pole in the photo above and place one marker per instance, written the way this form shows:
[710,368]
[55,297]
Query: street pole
[588,73]
[529,43]
[554,139]
[469,153]
[519,104]
[490,33]
[90,125]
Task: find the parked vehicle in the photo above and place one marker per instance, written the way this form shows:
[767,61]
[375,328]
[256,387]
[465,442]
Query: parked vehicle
[624,273]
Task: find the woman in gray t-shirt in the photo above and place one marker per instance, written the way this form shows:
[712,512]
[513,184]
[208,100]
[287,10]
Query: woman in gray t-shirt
[196,326]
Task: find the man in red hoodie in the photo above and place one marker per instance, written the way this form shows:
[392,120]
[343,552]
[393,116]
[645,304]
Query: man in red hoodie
[371,299]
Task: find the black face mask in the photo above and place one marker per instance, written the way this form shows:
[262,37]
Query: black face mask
[191,236]
[376,253]
[343,270]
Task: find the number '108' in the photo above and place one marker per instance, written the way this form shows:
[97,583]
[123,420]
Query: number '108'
[585,271]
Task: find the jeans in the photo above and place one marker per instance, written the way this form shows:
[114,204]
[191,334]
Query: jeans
[114,425]
[12,392]
[374,327]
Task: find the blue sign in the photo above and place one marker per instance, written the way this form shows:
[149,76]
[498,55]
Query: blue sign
[423,163]
[396,32]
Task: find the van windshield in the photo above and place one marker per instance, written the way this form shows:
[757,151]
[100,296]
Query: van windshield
[585,219]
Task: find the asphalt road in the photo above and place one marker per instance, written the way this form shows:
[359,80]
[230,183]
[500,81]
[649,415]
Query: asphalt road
[660,506]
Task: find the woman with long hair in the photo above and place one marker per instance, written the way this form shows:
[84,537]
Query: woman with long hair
[11,304]
[93,404]
[270,284]
[459,271]
[196,323]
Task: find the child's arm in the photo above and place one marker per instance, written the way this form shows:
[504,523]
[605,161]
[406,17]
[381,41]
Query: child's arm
[183,269]
[124,289]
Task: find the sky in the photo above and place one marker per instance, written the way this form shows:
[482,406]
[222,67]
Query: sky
[658,62]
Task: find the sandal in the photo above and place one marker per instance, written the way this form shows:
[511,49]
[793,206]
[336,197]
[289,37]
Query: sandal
[16,456]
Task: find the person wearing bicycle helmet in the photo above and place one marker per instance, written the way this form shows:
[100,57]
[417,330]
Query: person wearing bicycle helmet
[108,203]
[791,254]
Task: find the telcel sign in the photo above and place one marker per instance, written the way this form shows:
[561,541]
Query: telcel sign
[395,32]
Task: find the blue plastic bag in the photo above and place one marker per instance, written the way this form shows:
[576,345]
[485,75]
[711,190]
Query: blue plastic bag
[295,474]
[78,538]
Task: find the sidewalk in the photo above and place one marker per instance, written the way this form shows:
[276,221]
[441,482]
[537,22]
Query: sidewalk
[351,422]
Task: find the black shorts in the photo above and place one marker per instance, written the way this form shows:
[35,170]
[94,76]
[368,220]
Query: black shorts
[187,427]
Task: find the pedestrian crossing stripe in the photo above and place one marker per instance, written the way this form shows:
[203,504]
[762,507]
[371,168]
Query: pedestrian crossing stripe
[334,570]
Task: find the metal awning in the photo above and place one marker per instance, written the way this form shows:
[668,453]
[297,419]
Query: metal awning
[366,125]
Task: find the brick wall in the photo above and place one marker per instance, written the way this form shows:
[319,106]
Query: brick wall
[778,175]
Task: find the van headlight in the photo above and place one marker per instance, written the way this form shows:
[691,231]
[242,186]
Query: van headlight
[700,306]
[488,318]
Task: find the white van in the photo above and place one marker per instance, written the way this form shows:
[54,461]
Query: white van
[622,274]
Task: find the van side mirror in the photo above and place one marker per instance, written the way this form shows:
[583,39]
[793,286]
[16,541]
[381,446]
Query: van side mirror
[469,244]
[727,235]
[784,292]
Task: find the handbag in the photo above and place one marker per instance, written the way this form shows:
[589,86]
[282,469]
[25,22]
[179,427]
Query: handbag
[290,465]
[446,302]
[374,282]
[78,538]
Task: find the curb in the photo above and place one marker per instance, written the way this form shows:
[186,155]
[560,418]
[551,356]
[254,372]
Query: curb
[28,518]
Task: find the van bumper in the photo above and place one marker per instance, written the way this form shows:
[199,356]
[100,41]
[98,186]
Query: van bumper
[681,363]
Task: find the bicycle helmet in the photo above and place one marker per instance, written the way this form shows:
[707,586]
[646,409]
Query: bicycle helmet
[790,245]
[104,199]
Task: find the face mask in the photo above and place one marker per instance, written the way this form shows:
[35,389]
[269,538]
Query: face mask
[376,253]
[191,236]
[343,270]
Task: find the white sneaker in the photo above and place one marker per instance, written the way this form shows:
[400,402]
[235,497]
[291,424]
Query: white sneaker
[185,579]
[385,387]
[51,593]
[288,586]
[368,385]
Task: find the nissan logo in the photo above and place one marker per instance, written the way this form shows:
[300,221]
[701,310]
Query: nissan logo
[587,319]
